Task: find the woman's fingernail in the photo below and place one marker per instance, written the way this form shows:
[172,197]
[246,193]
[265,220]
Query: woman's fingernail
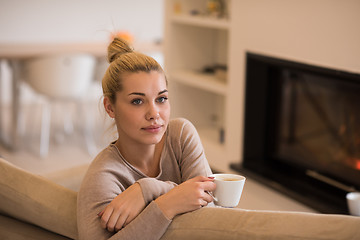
[211,177]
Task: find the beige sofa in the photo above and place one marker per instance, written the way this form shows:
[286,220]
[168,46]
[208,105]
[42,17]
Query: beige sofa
[32,207]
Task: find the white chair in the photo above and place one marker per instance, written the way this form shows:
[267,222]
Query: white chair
[63,78]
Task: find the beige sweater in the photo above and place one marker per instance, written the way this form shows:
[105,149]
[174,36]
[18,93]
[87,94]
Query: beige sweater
[109,174]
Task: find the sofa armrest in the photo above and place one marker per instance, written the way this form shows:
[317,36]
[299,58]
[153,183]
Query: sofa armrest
[36,200]
[226,223]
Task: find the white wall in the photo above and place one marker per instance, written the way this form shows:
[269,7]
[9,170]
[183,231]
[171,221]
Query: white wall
[44,21]
[321,32]
[78,20]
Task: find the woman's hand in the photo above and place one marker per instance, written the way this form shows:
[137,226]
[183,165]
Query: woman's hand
[186,197]
[123,209]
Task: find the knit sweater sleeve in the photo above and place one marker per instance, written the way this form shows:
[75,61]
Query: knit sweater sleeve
[98,189]
[151,224]
[153,188]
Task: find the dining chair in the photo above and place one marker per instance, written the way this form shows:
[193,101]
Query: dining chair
[63,78]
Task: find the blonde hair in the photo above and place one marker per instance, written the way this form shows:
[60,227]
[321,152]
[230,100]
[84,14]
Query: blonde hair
[123,59]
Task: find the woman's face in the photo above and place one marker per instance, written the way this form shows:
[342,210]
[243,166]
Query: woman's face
[142,109]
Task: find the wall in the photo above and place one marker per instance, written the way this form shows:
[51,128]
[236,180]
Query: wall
[43,21]
[322,32]
[80,20]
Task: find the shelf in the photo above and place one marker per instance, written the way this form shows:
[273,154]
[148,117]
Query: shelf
[201,21]
[193,43]
[200,80]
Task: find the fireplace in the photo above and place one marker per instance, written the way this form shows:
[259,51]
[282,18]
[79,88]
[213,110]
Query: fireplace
[302,131]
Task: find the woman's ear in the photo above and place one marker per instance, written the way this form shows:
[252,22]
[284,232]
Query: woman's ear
[109,107]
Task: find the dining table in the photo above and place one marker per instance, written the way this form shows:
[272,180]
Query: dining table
[15,54]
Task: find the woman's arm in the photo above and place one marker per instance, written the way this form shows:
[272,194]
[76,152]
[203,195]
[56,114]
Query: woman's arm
[97,192]
[122,209]
[153,188]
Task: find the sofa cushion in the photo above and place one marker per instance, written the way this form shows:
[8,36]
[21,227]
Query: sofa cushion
[11,228]
[226,223]
[34,199]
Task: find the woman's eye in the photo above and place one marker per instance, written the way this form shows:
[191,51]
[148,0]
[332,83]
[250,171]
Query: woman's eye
[136,101]
[162,99]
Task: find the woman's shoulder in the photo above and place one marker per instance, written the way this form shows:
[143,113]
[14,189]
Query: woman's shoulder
[180,128]
[104,160]
[108,152]
[180,124]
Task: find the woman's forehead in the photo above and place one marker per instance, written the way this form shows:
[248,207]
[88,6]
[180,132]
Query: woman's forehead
[144,82]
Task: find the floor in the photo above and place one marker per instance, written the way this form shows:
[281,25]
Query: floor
[68,157]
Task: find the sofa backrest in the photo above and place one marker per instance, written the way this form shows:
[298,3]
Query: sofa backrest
[36,200]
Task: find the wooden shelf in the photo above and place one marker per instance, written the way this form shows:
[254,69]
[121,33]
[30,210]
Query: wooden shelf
[199,80]
[193,42]
[202,21]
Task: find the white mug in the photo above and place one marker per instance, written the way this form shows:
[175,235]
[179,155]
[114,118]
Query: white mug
[228,190]
[353,201]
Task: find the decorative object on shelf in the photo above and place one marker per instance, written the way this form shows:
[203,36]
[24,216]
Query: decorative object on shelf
[216,8]
[195,12]
[222,135]
[220,71]
[177,7]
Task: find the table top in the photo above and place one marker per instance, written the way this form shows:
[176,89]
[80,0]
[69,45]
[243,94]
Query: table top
[98,49]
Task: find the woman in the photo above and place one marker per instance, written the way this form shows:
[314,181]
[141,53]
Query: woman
[155,170]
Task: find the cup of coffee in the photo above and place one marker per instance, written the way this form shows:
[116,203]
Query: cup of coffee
[228,190]
[353,201]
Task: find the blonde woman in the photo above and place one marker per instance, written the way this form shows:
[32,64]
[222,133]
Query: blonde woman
[155,170]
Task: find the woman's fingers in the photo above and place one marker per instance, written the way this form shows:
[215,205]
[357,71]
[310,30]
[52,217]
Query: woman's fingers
[115,221]
[121,222]
[106,214]
[112,221]
[204,204]
[201,179]
[208,186]
[204,185]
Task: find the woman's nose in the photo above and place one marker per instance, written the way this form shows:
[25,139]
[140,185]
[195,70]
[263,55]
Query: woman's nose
[152,113]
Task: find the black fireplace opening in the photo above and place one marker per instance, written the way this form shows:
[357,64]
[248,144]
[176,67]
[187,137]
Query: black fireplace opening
[302,131]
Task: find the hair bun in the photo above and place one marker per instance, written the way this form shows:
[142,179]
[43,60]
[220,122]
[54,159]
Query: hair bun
[118,47]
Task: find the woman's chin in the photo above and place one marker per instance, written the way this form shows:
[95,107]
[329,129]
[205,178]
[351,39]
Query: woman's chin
[155,139]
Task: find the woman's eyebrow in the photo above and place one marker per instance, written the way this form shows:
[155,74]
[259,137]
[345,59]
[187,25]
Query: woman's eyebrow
[163,91]
[137,93]
[143,94]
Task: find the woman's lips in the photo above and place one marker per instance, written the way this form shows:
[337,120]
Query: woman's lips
[153,128]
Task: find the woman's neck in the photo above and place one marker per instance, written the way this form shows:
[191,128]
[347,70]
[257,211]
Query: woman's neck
[146,158]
